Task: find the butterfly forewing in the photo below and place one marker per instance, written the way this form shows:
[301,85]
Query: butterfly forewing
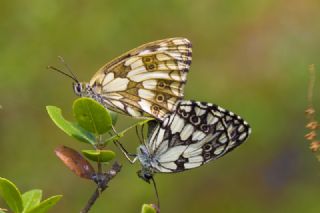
[196,133]
[146,81]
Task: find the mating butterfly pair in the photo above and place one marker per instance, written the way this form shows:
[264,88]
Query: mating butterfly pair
[148,82]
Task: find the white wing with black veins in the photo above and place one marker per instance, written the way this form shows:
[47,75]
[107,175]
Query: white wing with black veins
[196,133]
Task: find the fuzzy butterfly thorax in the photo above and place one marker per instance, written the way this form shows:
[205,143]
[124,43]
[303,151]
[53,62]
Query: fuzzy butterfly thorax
[147,81]
[83,89]
[146,161]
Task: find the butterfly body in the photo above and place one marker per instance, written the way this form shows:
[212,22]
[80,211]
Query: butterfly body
[83,89]
[144,82]
[196,133]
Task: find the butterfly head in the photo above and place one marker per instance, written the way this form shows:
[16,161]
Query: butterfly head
[145,175]
[80,89]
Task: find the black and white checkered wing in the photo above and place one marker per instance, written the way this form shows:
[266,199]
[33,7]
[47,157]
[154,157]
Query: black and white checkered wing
[196,133]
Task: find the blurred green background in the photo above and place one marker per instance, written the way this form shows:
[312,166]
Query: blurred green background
[249,56]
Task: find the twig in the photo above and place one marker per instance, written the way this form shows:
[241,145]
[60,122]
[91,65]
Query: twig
[115,169]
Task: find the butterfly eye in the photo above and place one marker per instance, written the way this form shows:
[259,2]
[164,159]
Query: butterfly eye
[77,88]
[147,176]
[205,128]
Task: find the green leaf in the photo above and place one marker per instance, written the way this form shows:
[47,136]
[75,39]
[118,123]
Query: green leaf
[92,116]
[31,199]
[71,129]
[148,208]
[99,155]
[45,205]
[11,195]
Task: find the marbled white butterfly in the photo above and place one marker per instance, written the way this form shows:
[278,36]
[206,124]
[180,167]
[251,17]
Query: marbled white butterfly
[194,134]
[146,81]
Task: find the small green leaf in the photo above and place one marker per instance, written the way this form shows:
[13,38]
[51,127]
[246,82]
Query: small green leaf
[45,205]
[99,155]
[71,129]
[31,199]
[148,208]
[92,116]
[11,195]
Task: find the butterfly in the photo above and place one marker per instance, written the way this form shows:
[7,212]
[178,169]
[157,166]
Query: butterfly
[144,82]
[191,136]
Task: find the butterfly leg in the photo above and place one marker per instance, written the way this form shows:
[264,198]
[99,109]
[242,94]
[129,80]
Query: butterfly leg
[125,152]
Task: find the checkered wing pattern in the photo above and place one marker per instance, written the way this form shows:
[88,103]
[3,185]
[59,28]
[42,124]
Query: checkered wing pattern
[196,133]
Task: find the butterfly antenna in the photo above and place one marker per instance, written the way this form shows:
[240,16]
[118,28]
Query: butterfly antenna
[68,68]
[156,190]
[63,73]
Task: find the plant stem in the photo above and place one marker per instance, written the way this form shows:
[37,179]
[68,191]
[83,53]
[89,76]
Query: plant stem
[115,169]
[99,163]
[99,168]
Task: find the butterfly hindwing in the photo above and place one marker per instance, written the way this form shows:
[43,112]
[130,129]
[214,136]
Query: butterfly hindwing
[196,133]
[146,81]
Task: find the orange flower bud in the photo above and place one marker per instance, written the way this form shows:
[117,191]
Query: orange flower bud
[311,135]
[315,146]
[312,125]
[310,111]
